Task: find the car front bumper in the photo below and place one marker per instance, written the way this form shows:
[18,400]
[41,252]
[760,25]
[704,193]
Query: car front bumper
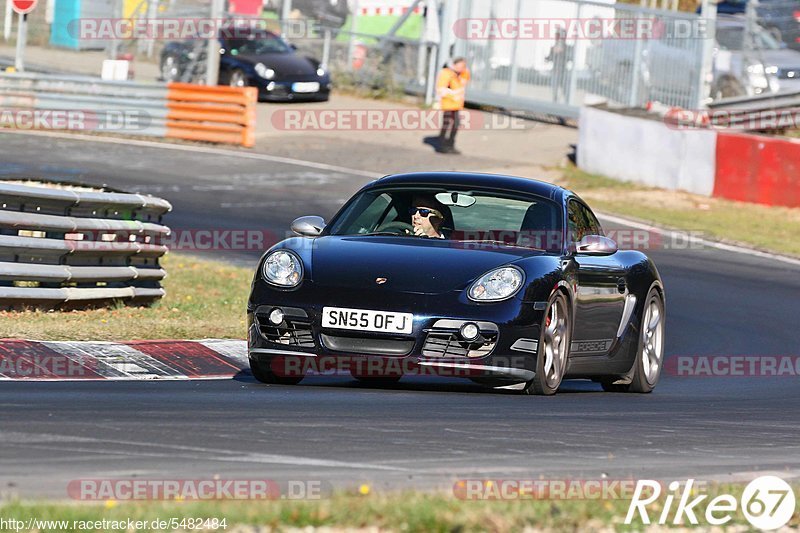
[282,91]
[506,349]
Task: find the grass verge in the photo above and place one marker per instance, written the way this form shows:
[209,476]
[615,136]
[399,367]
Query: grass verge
[409,511]
[759,226]
[205,299]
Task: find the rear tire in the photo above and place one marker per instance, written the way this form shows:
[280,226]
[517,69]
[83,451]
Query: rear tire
[267,376]
[554,344]
[650,351]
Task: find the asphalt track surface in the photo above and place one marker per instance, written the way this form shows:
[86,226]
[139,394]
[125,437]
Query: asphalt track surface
[422,432]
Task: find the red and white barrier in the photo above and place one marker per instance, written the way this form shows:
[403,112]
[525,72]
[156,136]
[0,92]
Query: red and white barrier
[758,168]
[702,160]
[136,360]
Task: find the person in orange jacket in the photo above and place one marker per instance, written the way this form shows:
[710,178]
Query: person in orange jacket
[451,91]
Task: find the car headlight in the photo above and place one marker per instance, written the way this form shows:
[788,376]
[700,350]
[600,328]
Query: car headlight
[264,72]
[496,285]
[320,72]
[283,268]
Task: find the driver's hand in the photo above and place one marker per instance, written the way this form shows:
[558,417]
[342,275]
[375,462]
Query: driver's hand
[418,231]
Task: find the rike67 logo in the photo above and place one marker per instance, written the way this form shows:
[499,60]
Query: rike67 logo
[767,502]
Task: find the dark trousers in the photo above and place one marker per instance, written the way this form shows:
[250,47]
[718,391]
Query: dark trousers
[450,123]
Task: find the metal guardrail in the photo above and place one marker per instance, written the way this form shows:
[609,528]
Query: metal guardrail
[774,101]
[168,110]
[73,245]
[758,113]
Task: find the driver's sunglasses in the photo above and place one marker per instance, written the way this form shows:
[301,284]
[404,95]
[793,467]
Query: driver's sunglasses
[423,212]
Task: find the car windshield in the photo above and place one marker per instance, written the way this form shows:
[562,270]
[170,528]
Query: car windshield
[732,38]
[456,215]
[257,44]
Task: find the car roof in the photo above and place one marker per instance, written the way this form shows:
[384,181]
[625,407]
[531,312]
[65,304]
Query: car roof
[478,180]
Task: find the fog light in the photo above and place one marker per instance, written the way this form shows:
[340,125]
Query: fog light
[271,86]
[276,317]
[470,331]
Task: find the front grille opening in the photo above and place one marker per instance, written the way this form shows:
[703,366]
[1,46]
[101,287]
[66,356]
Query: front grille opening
[450,344]
[372,345]
[289,333]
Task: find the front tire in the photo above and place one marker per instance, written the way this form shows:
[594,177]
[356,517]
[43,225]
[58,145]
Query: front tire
[650,352]
[238,78]
[554,343]
[267,376]
[170,69]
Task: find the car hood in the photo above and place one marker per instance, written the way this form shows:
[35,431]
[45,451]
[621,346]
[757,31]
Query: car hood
[425,266]
[284,64]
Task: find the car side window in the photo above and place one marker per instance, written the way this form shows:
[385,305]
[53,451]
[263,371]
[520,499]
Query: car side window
[594,225]
[582,222]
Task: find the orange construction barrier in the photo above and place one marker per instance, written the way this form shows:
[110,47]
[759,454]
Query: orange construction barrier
[212,113]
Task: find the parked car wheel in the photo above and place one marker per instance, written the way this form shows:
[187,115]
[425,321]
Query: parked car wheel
[169,68]
[238,79]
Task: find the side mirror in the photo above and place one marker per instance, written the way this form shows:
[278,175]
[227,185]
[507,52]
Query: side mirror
[596,245]
[308,226]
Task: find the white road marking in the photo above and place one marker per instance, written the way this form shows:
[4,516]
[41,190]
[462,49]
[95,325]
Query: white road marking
[229,348]
[199,149]
[115,360]
[712,244]
[114,447]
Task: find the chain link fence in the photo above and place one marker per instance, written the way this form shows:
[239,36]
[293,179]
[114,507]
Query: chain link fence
[584,52]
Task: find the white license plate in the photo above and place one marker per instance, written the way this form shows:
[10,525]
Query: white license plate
[305,87]
[362,320]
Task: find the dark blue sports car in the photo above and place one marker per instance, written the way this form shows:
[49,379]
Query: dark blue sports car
[252,57]
[507,281]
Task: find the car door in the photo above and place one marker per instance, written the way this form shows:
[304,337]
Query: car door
[600,294]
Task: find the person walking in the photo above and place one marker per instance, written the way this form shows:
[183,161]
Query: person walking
[451,91]
[560,56]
